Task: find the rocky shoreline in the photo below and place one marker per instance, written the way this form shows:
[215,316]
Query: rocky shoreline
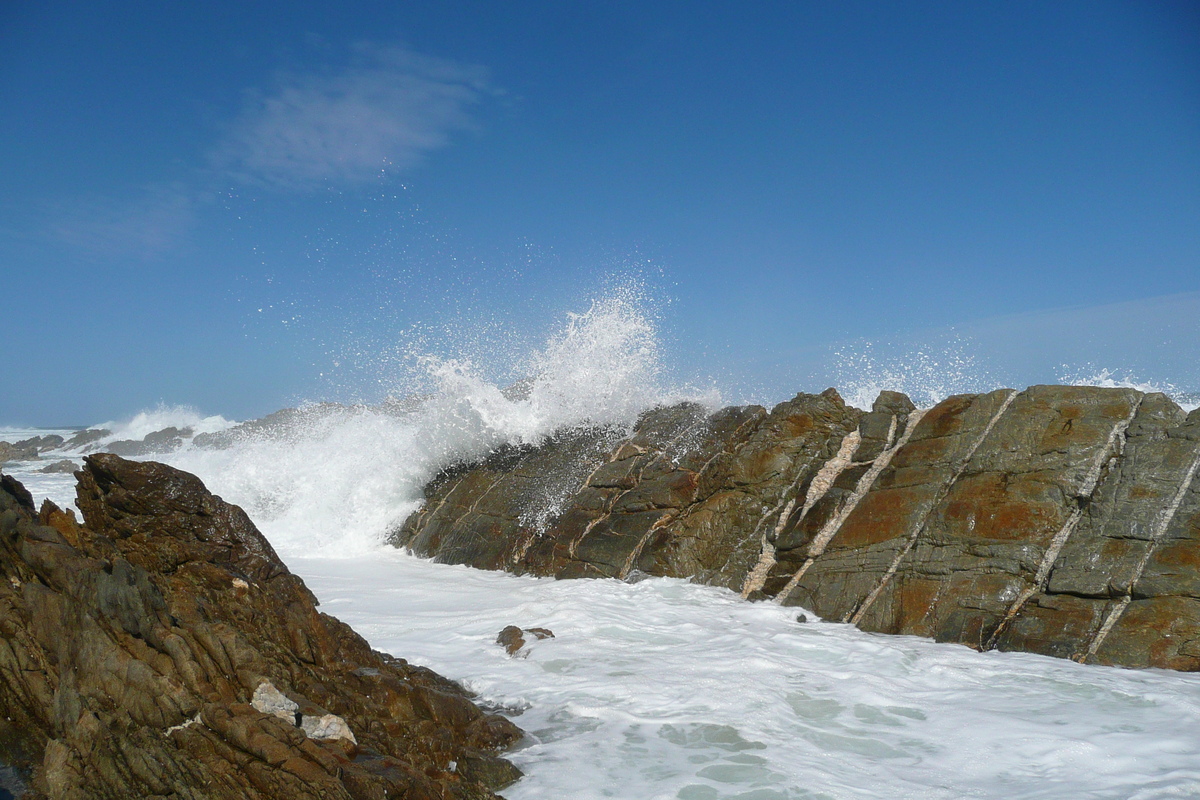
[1058,520]
[162,649]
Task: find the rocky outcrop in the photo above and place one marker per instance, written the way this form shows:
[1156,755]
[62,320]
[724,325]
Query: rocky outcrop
[1059,520]
[161,649]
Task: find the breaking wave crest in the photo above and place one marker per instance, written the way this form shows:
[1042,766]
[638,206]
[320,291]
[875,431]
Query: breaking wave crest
[332,480]
[1125,379]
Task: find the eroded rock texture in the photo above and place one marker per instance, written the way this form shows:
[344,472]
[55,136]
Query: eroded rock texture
[1059,520]
[163,650]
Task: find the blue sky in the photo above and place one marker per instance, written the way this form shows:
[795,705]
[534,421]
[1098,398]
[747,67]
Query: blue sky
[241,205]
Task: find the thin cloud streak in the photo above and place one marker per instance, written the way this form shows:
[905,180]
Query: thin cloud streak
[147,227]
[377,117]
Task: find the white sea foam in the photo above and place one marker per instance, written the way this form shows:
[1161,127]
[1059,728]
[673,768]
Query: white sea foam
[665,689]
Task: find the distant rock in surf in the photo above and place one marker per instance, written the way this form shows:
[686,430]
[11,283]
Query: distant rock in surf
[59,467]
[1060,520]
[81,440]
[166,440]
[29,449]
[149,652]
[273,426]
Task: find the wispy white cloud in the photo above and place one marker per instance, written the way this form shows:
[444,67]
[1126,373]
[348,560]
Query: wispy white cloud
[146,226]
[380,115]
[343,126]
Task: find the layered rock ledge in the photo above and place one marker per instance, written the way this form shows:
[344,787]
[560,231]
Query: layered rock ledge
[1058,520]
[162,649]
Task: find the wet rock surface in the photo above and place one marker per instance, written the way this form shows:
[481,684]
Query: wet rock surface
[513,639]
[1059,520]
[161,649]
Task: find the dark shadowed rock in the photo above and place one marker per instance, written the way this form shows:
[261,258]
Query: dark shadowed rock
[1060,520]
[162,649]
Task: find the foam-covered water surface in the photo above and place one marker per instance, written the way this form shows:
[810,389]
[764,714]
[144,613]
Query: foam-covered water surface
[665,689]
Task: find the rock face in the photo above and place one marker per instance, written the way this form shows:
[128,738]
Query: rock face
[1058,520]
[163,650]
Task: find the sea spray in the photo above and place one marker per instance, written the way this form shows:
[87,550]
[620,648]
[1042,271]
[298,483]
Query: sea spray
[332,480]
[1091,375]
[928,373]
[184,418]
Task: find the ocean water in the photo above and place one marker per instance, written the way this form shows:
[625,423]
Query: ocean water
[661,688]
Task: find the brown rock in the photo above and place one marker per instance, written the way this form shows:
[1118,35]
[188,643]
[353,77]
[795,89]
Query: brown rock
[512,639]
[1061,520]
[134,646]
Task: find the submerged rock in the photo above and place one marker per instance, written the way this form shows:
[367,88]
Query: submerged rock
[1060,520]
[163,649]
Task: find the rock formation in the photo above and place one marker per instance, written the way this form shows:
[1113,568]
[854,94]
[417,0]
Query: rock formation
[161,649]
[1059,520]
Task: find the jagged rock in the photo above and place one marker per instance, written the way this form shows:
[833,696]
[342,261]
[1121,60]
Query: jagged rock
[1061,520]
[687,494]
[140,648]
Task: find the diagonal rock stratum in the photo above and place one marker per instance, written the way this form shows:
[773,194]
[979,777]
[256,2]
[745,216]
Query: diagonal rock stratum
[1059,520]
